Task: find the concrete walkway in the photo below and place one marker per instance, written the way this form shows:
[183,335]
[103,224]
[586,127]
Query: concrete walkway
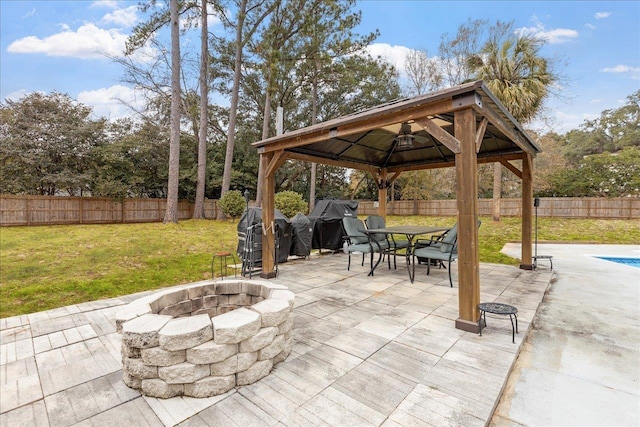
[580,364]
[368,351]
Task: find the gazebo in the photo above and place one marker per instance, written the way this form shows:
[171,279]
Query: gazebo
[458,127]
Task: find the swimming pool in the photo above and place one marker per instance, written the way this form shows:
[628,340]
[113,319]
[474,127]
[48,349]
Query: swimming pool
[633,262]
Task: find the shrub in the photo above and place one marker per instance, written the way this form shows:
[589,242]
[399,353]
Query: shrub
[232,204]
[290,203]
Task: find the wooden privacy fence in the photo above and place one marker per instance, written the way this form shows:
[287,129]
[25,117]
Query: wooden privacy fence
[50,210]
[556,207]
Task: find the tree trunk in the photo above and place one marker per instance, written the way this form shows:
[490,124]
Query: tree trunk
[497,190]
[198,209]
[171,214]
[235,94]
[314,120]
[265,133]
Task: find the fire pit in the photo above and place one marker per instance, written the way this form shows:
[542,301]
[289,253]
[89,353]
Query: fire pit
[204,339]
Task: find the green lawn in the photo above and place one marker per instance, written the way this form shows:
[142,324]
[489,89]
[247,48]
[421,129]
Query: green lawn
[48,267]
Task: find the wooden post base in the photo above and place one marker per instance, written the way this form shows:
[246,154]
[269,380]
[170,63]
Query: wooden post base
[269,275]
[467,326]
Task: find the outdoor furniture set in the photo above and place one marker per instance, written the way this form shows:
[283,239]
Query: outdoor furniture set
[376,238]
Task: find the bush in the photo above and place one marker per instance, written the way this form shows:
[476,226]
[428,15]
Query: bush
[232,204]
[290,203]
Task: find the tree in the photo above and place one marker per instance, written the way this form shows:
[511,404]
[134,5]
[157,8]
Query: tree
[600,175]
[613,130]
[423,72]
[276,49]
[133,161]
[330,36]
[198,209]
[513,69]
[249,16]
[455,51]
[171,214]
[47,144]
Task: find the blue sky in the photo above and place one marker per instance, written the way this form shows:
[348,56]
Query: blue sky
[60,45]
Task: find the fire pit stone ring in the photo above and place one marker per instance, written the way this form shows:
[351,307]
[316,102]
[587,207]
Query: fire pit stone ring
[206,338]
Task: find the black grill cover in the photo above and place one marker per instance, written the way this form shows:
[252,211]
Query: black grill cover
[253,216]
[326,220]
[302,235]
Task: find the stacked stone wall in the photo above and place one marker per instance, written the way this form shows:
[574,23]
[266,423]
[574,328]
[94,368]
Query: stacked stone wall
[205,339]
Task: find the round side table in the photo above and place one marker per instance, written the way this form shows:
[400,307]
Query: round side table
[500,309]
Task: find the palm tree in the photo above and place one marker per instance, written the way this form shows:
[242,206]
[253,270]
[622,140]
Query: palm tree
[520,77]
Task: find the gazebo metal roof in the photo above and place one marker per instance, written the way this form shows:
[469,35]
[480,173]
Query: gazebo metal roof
[367,139]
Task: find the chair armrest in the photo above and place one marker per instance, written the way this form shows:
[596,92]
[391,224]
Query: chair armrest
[422,242]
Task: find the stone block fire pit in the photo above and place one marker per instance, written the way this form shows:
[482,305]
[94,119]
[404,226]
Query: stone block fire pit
[204,339]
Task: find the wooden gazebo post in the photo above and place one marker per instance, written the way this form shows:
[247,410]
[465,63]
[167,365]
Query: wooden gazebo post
[382,193]
[527,211]
[268,210]
[467,187]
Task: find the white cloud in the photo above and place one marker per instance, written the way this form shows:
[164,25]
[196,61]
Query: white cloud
[395,55]
[17,95]
[108,102]
[111,4]
[595,101]
[621,69]
[124,17]
[29,14]
[88,42]
[590,26]
[556,36]
[602,15]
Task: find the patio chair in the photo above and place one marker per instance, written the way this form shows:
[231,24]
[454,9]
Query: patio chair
[357,240]
[434,241]
[376,221]
[443,250]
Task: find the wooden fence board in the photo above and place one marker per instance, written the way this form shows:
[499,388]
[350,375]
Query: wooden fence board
[556,207]
[50,210]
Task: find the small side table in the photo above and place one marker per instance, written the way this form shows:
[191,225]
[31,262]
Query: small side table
[501,309]
[223,258]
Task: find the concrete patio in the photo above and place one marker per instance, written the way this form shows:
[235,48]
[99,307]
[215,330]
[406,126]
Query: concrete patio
[367,351]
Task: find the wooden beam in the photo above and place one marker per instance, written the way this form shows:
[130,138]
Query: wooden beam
[366,124]
[527,211]
[507,129]
[331,162]
[419,167]
[511,167]
[279,157]
[394,177]
[440,134]
[268,214]
[467,189]
[480,133]
[481,160]
[382,194]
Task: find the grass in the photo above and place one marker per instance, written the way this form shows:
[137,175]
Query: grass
[53,266]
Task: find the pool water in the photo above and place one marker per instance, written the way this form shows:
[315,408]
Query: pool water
[633,262]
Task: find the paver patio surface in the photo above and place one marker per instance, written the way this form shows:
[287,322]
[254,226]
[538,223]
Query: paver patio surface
[368,351]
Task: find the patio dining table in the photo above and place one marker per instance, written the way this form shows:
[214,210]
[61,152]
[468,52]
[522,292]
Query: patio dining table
[409,231]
